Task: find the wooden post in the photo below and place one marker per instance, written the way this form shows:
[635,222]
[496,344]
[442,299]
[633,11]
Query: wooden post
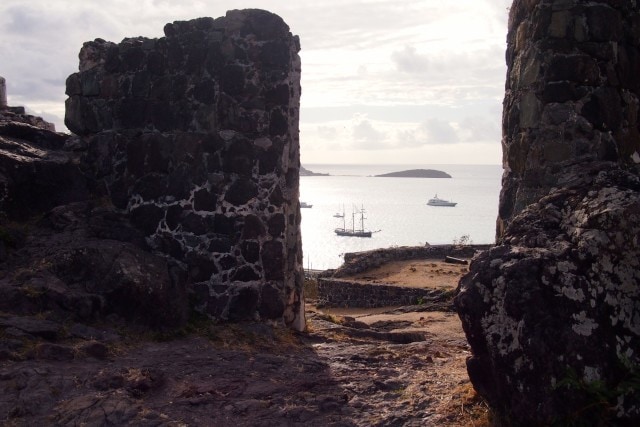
[3,93]
[453,260]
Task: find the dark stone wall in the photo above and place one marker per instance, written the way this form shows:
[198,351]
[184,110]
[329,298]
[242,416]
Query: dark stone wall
[552,311]
[195,136]
[344,293]
[572,95]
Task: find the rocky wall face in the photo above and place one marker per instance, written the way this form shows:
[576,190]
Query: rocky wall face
[552,312]
[349,294]
[195,136]
[572,94]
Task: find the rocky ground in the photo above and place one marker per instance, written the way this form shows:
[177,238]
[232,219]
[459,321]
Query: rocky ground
[401,366]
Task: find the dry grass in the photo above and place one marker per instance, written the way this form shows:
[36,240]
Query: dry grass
[252,337]
[310,288]
[426,273]
[466,408]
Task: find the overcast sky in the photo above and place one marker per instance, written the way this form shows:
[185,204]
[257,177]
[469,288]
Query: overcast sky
[383,81]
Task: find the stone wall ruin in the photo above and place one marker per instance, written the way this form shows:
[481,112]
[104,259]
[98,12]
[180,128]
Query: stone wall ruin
[572,95]
[195,136]
[552,313]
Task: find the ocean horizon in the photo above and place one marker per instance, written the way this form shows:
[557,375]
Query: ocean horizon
[396,209]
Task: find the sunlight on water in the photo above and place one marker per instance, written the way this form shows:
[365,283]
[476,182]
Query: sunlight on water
[397,207]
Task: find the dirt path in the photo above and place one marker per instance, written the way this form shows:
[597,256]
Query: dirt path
[385,367]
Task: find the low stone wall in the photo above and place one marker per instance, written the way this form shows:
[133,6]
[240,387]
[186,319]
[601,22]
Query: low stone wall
[344,293]
[336,292]
[358,262]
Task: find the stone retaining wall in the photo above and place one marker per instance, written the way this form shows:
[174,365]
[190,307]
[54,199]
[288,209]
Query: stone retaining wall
[344,293]
[195,136]
[357,262]
[336,292]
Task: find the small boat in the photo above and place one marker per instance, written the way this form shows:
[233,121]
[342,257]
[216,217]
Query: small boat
[440,202]
[354,232]
[305,205]
[338,214]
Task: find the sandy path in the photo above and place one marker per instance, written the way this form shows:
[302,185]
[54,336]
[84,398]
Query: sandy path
[414,273]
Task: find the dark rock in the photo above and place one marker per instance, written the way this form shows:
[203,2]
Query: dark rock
[253,228]
[172,166]
[97,410]
[94,349]
[250,251]
[204,201]
[37,327]
[272,306]
[228,261]
[272,256]
[278,123]
[194,223]
[201,267]
[220,245]
[276,225]
[560,297]
[245,274]
[34,178]
[244,304]
[604,109]
[38,136]
[147,218]
[563,278]
[49,351]
[89,333]
[581,69]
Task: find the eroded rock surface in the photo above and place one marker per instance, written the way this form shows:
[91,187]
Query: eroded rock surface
[551,312]
[572,94]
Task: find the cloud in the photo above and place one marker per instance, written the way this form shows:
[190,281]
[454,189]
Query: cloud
[432,131]
[480,129]
[469,129]
[439,131]
[327,132]
[376,74]
[366,136]
[408,60]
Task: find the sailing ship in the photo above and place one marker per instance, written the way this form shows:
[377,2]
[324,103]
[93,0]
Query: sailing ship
[353,231]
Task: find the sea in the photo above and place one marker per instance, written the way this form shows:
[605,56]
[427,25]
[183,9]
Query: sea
[395,209]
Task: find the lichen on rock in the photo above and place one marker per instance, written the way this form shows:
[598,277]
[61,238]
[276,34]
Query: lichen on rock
[552,312]
[195,136]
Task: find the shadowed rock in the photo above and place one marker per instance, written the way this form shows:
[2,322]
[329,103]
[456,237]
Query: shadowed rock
[551,312]
[195,136]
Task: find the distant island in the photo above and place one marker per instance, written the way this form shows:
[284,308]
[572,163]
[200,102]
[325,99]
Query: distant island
[307,172]
[417,173]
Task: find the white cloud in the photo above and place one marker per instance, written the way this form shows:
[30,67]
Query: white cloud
[366,136]
[409,61]
[377,74]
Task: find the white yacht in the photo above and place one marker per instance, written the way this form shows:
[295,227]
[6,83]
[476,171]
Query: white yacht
[440,202]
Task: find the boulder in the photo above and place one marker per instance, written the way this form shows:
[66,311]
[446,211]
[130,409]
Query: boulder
[35,174]
[553,313]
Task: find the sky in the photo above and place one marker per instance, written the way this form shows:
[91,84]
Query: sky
[383,81]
